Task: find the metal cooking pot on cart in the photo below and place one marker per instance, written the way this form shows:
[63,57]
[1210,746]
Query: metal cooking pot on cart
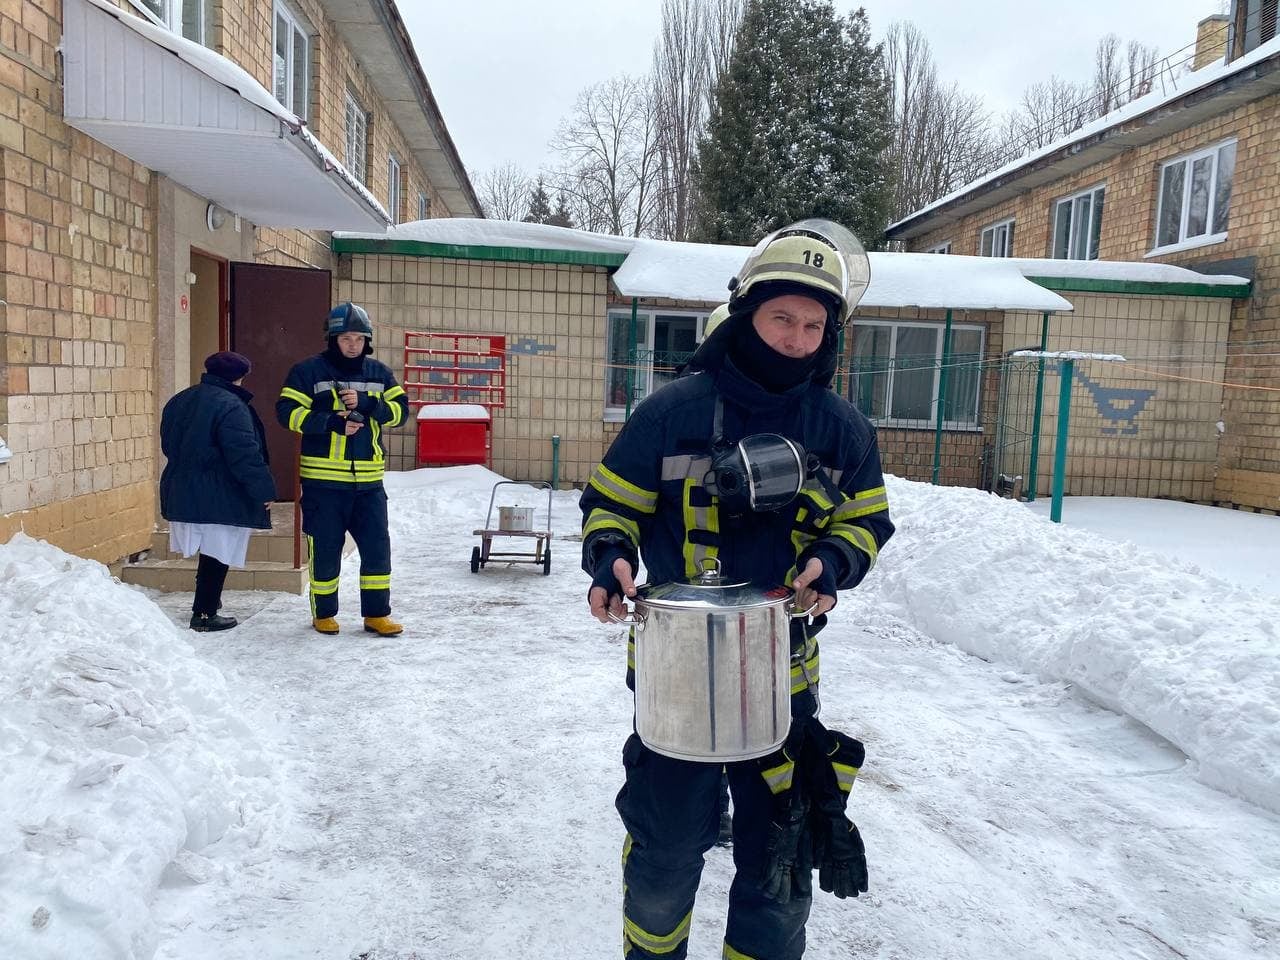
[712,667]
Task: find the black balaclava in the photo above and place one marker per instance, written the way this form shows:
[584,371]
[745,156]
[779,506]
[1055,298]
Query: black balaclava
[340,361]
[772,370]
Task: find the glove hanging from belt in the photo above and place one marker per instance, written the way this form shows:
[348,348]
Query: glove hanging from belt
[788,864]
[830,762]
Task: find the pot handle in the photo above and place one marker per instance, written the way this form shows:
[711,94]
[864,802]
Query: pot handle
[802,615]
[631,617]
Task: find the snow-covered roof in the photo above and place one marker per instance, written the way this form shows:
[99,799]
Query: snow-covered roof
[187,112]
[700,272]
[1151,103]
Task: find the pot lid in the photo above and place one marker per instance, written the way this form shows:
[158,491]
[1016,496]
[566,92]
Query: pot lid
[710,591]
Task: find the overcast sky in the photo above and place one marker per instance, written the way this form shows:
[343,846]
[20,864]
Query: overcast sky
[506,71]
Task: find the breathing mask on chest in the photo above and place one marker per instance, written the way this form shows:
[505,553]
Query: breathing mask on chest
[758,474]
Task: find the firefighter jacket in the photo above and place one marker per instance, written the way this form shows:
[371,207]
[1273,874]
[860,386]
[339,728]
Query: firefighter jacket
[648,497]
[308,405]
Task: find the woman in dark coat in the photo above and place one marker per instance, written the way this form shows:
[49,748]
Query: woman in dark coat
[216,487]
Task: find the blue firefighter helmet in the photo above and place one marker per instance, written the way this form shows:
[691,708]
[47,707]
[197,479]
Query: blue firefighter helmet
[348,317]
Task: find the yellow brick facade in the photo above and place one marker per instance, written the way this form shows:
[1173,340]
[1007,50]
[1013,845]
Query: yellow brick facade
[1249,448]
[93,255]
[553,317]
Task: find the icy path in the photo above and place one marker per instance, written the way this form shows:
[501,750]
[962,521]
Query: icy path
[454,789]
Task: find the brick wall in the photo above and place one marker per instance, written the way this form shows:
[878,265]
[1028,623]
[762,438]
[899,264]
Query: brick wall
[1248,469]
[243,29]
[78,267]
[554,321]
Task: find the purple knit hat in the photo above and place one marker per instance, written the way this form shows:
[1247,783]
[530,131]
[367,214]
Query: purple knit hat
[228,365]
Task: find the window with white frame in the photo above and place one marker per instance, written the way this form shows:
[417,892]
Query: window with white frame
[1077,225]
[291,59]
[189,18]
[1195,196]
[393,188]
[896,373]
[357,138]
[997,240]
[662,342]
[940,248]
[424,205]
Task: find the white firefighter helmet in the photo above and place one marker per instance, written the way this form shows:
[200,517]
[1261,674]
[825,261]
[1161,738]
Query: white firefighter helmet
[816,253]
[718,316]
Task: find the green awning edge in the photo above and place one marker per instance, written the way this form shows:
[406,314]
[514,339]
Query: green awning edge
[1141,288]
[466,251]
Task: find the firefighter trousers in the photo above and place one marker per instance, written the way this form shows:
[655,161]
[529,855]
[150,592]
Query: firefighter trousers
[328,514]
[671,809]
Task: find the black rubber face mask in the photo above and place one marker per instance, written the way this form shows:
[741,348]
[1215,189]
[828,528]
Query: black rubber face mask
[758,474]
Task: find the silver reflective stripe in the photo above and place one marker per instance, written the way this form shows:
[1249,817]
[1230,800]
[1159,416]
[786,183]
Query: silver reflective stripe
[680,467]
[364,386]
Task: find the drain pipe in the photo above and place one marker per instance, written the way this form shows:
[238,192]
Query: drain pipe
[555,461]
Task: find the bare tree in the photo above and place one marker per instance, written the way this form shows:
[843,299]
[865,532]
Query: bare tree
[503,192]
[940,138]
[609,157]
[1121,75]
[692,49]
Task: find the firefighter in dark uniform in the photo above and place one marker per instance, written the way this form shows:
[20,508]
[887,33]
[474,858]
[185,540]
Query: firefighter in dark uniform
[341,400]
[662,494]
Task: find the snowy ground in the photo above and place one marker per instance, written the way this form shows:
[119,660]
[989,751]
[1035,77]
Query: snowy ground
[1073,752]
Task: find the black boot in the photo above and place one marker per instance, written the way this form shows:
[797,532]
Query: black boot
[204,622]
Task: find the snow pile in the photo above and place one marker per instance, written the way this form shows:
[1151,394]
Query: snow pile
[124,768]
[1193,658]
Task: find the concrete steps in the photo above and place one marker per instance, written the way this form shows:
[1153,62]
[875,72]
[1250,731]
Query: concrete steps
[268,563]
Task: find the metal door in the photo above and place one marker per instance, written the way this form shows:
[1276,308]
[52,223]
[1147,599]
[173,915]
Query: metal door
[277,319]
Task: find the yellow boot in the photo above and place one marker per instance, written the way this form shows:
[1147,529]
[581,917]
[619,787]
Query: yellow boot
[383,626]
[325,625]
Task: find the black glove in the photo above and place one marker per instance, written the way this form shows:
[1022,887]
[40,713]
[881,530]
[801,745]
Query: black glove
[831,763]
[788,863]
[604,575]
[830,576]
[366,403]
[337,423]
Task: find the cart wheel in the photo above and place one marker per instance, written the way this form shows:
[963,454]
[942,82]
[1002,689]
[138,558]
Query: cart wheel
[475,559]
[546,562]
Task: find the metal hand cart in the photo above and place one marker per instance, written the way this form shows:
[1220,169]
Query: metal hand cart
[541,554]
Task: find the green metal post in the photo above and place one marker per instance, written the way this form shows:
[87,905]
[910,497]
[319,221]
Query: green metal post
[1060,449]
[942,398]
[631,355]
[555,461]
[1030,486]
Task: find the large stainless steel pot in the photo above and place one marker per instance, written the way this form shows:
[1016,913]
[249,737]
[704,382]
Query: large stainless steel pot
[712,668]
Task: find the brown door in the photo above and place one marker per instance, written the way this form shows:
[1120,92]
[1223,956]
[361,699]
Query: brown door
[277,319]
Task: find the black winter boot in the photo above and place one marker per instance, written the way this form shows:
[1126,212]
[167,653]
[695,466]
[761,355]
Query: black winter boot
[205,622]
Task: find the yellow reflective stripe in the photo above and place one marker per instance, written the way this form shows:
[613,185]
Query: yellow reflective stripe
[706,519]
[296,395]
[623,491]
[732,954]
[376,581]
[324,586]
[600,519]
[657,943]
[857,536]
[799,682]
[297,417]
[631,650]
[397,411]
[376,429]
[626,849]
[346,466]
[863,504]
[779,778]
[845,775]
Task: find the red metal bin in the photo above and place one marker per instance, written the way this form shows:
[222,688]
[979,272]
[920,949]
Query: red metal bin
[453,433]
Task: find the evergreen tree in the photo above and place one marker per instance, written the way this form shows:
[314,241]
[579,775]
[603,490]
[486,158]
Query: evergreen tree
[561,217]
[539,204]
[799,126]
